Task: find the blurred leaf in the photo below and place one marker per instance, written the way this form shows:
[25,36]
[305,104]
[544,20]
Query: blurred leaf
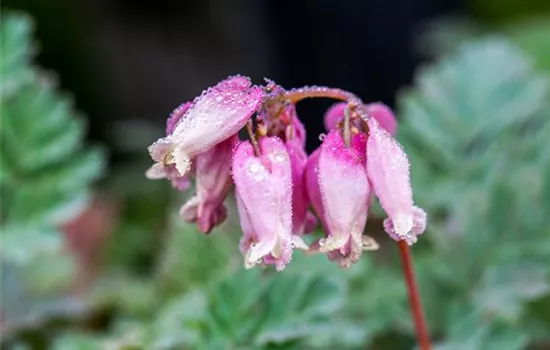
[77,341]
[504,287]
[45,174]
[15,52]
[297,307]
[176,325]
[21,244]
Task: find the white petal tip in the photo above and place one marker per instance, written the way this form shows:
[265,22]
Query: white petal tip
[156,172]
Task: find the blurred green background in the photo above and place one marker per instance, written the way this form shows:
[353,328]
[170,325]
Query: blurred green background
[94,256]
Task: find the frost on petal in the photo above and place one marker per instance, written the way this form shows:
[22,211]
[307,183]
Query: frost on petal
[193,128]
[160,149]
[176,116]
[264,187]
[388,171]
[345,191]
[419,220]
[217,114]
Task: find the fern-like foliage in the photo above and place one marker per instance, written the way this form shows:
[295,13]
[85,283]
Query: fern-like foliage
[477,128]
[45,171]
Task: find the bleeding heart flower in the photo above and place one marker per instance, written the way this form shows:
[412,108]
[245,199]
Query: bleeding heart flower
[388,172]
[263,185]
[344,191]
[219,113]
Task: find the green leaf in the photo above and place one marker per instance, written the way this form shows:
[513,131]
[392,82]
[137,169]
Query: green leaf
[45,175]
[476,95]
[15,52]
[22,244]
[504,288]
[177,323]
[298,306]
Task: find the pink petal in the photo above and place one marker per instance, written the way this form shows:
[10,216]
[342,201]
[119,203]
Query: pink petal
[388,170]
[383,115]
[311,179]
[264,186]
[219,113]
[176,116]
[213,178]
[345,192]
[298,159]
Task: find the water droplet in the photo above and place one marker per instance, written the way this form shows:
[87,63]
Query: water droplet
[254,167]
[322,137]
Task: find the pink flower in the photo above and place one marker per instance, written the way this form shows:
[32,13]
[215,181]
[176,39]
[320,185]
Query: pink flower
[388,172]
[379,111]
[339,190]
[219,113]
[213,180]
[263,185]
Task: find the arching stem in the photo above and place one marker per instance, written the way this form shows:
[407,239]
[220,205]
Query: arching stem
[296,95]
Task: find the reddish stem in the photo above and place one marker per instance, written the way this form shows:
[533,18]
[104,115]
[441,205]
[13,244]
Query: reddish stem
[296,95]
[422,334]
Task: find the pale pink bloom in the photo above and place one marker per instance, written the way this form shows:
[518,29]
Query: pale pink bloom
[264,187]
[388,172]
[345,193]
[219,113]
[213,180]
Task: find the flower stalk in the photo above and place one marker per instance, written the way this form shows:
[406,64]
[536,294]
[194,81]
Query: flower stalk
[422,334]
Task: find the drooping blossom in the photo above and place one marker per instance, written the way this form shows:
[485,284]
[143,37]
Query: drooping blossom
[344,190]
[388,172]
[263,184]
[281,120]
[219,113]
[213,179]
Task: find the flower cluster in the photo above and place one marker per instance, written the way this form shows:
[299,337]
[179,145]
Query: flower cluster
[276,182]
